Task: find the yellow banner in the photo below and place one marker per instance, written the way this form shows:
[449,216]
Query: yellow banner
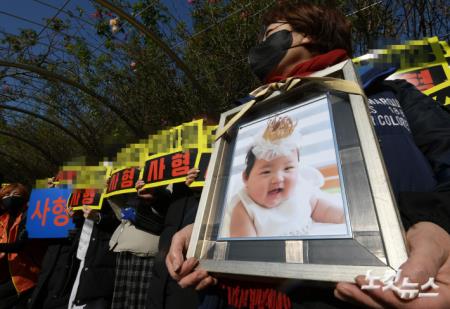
[423,63]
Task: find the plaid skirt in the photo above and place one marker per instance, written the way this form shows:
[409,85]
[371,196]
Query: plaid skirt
[132,282]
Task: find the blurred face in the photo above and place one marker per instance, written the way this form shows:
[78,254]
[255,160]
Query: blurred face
[12,200]
[14,192]
[272,182]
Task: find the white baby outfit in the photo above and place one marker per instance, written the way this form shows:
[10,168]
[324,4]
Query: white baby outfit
[291,217]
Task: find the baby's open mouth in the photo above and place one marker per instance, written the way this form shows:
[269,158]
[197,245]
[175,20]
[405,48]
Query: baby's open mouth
[275,191]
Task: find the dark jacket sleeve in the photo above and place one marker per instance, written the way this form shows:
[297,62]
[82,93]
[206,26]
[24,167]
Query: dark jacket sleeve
[191,212]
[108,221]
[425,206]
[430,126]
[163,198]
[180,190]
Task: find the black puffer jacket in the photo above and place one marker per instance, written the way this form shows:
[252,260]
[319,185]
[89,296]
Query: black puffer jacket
[165,292]
[58,273]
[60,266]
[97,277]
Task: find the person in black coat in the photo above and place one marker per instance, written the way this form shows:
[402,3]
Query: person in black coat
[60,266]
[165,292]
[58,272]
[99,262]
[302,38]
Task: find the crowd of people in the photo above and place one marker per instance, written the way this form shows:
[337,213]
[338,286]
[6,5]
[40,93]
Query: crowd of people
[106,262]
[122,258]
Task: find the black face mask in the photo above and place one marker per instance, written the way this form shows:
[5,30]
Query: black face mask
[264,57]
[12,204]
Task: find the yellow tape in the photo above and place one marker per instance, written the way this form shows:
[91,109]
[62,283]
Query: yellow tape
[437,88]
[235,118]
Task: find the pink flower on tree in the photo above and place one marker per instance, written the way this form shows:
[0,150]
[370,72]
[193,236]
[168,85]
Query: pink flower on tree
[97,14]
[244,15]
[114,23]
[133,65]
[6,88]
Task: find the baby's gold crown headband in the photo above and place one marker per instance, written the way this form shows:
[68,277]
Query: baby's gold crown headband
[279,128]
[279,139]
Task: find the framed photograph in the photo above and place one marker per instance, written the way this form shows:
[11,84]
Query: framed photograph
[284,180]
[297,189]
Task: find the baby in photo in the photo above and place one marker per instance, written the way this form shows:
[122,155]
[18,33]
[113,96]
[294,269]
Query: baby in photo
[279,198]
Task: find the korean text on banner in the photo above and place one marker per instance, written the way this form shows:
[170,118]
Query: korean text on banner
[46,217]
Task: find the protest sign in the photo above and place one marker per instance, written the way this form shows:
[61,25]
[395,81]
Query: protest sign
[47,217]
[122,181]
[164,169]
[85,197]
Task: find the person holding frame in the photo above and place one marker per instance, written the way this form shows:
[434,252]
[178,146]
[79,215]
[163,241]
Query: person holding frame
[302,38]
